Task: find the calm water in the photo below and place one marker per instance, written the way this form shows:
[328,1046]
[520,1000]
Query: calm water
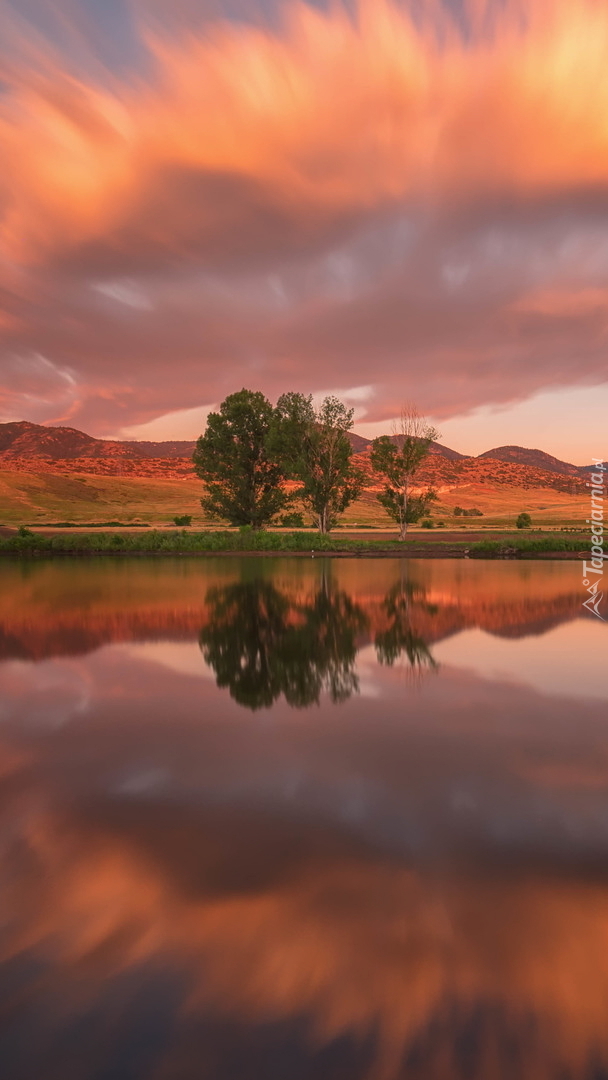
[288,819]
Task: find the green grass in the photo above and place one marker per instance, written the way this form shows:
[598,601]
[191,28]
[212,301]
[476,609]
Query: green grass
[154,541]
[525,544]
[28,543]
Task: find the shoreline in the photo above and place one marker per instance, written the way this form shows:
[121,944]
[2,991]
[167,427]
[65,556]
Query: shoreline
[431,552]
[27,545]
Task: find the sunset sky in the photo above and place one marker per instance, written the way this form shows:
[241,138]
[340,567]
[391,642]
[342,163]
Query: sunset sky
[384,200]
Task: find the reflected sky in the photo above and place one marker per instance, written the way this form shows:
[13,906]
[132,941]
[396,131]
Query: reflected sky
[276,818]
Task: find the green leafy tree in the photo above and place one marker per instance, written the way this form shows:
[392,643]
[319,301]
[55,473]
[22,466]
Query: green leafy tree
[242,476]
[524,521]
[315,447]
[397,460]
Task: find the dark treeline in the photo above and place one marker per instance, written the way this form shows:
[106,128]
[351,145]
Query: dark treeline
[251,448]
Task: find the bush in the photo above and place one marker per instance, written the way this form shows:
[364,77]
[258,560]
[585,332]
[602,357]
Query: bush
[524,521]
[427,524]
[459,511]
[183,519]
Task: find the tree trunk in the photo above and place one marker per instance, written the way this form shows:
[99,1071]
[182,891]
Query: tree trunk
[403,523]
[324,520]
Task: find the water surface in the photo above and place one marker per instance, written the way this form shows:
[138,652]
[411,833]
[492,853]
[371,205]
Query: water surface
[281,819]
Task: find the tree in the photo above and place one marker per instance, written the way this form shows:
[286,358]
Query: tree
[524,521]
[316,449]
[243,478]
[397,461]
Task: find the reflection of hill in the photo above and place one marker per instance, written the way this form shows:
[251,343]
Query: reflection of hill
[55,608]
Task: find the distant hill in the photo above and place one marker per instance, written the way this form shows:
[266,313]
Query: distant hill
[22,440]
[538,459]
[39,449]
[436,448]
[358,442]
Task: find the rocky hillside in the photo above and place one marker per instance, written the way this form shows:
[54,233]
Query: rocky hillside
[26,447]
[443,473]
[24,440]
[537,459]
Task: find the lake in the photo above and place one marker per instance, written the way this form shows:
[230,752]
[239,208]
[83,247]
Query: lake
[285,819]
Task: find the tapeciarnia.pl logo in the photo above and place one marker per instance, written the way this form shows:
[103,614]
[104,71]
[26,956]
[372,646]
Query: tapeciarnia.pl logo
[593,571]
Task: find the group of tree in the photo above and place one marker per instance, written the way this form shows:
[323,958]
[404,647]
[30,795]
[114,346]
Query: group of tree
[460,511]
[251,449]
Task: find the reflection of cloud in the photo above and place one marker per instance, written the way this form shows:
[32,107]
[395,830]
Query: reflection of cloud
[323,932]
[548,663]
[183,657]
[42,694]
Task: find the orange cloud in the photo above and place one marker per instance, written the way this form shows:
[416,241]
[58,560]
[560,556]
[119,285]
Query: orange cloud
[344,192]
[332,115]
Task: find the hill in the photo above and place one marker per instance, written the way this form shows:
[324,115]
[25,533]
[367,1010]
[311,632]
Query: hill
[25,440]
[538,459]
[51,474]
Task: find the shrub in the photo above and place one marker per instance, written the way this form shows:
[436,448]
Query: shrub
[524,521]
[427,524]
[183,519]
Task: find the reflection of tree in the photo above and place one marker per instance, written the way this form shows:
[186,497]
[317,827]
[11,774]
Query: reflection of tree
[262,645]
[400,605]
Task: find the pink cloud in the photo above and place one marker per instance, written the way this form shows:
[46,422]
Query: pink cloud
[346,200]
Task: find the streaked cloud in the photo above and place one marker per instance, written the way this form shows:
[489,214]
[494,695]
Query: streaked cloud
[324,197]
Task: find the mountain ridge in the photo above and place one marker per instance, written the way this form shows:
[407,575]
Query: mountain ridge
[24,440]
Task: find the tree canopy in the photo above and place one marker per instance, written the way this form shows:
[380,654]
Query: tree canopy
[315,447]
[397,460]
[243,477]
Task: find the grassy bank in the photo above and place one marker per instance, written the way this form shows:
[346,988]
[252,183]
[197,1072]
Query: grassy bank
[27,543]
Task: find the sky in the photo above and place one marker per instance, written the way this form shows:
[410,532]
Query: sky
[390,201]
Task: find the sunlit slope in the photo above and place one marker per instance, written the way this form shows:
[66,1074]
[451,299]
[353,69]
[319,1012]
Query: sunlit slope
[87,497]
[40,497]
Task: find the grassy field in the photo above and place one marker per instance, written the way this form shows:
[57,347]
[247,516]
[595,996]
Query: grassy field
[26,543]
[35,499]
